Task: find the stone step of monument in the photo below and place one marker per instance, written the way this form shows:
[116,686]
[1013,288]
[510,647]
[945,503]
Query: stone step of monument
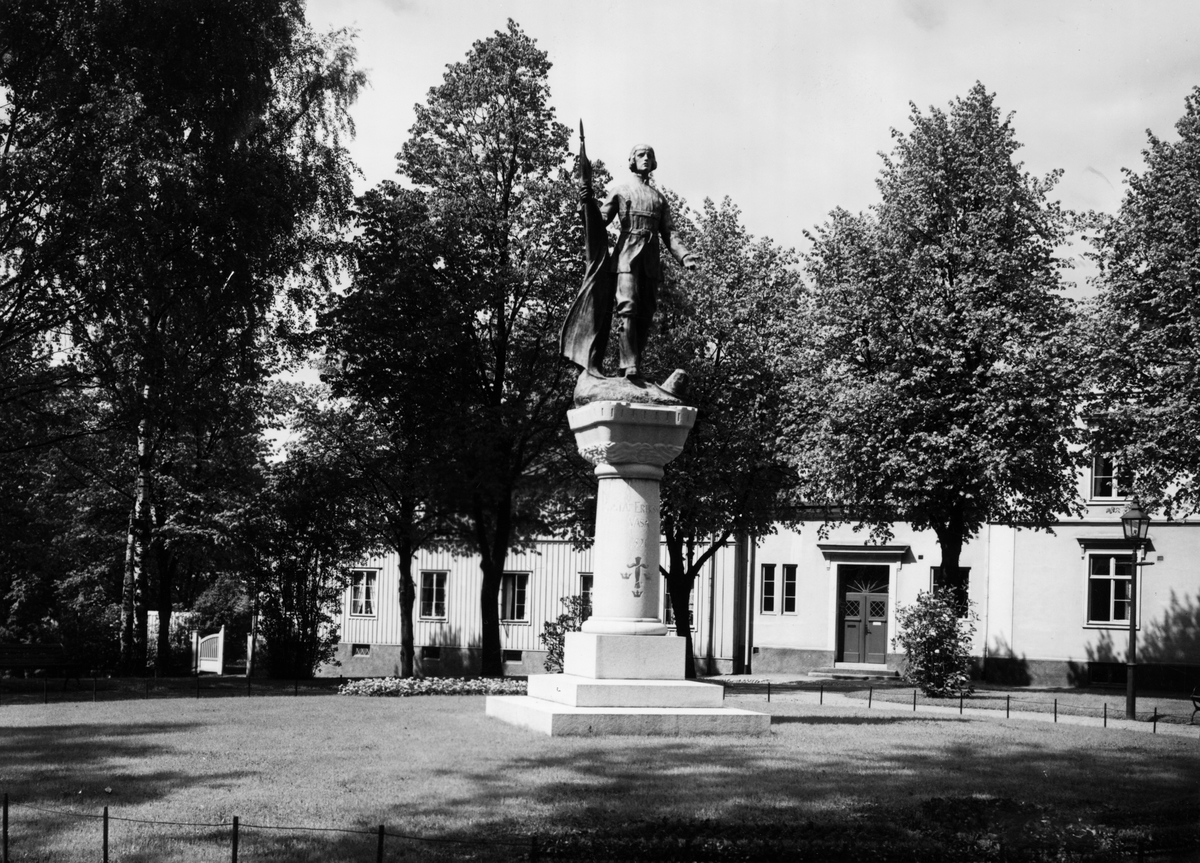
[562,720]
[854,673]
[576,691]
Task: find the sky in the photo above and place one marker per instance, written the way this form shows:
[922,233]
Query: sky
[785,105]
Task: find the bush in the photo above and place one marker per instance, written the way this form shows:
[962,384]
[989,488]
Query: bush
[554,633]
[403,687]
[937,643]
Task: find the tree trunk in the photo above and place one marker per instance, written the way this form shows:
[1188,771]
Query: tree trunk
[679,587]
[166,581]
[493,553]
[407,600]
[133,623]
[489,607]
[950,538]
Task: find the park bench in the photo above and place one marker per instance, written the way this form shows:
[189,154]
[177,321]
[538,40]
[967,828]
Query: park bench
[1195,704]
[30,657]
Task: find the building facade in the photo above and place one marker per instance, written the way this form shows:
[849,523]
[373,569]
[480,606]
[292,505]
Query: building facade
[1053,607]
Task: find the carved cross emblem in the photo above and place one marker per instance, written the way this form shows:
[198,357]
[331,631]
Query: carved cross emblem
[635,572]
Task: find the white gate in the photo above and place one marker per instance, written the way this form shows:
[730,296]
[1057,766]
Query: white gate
[210,652]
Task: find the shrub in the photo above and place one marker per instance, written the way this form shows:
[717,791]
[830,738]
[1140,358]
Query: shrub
[402,687]
[554,633]
[937,643]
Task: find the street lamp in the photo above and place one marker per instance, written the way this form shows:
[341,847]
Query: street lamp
[1136,525]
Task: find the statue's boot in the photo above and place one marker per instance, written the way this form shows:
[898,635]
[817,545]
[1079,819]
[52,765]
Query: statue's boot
[629,348]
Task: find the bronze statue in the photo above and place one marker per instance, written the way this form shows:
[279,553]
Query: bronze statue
[628,277]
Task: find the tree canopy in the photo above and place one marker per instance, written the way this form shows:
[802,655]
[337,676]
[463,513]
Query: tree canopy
[935,383]
[1142,342]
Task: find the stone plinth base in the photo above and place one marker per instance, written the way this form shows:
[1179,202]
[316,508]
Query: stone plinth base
[576,691]
[624,657]
[561,720]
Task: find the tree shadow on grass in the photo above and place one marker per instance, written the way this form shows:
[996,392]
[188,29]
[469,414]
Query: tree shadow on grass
[59,778]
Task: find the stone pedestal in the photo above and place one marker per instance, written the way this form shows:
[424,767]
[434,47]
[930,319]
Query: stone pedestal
[623,674]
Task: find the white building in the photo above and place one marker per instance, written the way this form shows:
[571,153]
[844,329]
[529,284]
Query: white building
[1053,607]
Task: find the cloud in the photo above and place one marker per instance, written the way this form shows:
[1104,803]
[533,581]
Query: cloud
[926,14]
[399,7]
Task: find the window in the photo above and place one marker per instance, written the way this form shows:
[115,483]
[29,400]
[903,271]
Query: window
[513,591]
[669,611]
[1108,588]
[360,650]
[433,595]
[958,585]
[768,588]
[789,588]
[431,653]
[586,580]
[511,655]
[362,592]
[1108,479]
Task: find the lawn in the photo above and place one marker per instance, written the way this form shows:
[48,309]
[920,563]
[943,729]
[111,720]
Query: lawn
[828,783]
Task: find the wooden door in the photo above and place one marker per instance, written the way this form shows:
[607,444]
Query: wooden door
[862,612]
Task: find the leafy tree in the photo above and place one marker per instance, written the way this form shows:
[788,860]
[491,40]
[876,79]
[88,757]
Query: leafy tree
[391,418]
[216,176]
[935,635]
[726,324]
[554,632]
[1144,351]
[936,383]
[489,156]
[301,536]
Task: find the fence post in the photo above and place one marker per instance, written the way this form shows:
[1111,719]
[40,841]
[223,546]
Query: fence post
[914,700]
[235,838]
[379,853]
[1106,714]
[1007,705]
[146,692]
[197,684]
[960,702]
[870,695]
[768,687]
[1155,719]
[1056,710]
[247,681]
[295,686]
[105,834]
[822,692]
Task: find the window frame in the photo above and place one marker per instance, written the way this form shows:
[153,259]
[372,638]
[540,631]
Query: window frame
[587,586]
[668,611]
[763,594]
[1106,468]
[789,582]
[519,582]
[370,583]
[1113,576]
[434,586]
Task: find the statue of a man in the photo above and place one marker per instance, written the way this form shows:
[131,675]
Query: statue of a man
[630,274]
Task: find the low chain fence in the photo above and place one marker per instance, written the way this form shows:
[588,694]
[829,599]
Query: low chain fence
[933,833]
[1169,711]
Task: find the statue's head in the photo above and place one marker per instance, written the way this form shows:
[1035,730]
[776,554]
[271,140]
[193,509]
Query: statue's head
[642,148]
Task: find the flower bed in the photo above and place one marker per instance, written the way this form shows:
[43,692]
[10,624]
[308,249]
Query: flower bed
[403,687]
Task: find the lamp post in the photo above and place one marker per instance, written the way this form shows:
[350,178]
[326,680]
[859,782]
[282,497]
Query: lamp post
[1136,525]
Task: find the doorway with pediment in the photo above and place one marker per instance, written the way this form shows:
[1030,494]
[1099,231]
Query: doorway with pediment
[863,613]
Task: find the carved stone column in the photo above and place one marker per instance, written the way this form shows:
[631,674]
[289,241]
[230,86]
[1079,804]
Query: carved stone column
[628,444]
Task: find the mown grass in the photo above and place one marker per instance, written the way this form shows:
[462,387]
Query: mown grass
[838,782]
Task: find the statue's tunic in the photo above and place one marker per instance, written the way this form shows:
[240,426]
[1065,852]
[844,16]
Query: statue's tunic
[643,215]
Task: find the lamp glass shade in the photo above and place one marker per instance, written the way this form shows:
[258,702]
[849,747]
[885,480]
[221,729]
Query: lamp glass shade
[1135,523]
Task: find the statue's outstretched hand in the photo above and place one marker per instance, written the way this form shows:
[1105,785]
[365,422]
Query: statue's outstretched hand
[585,192]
